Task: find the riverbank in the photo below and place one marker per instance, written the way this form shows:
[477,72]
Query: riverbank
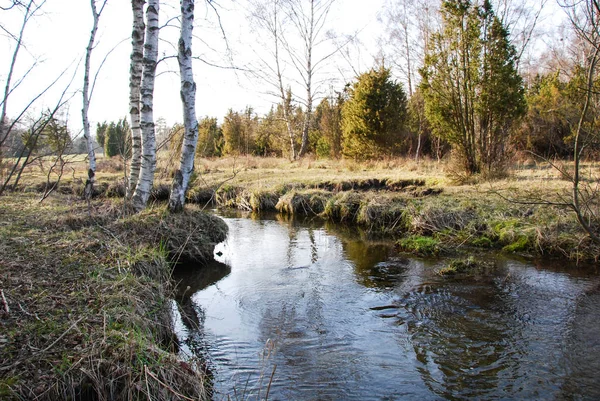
[418,204]
[425,206]
[85,310]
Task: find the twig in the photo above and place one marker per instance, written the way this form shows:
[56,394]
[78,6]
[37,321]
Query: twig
[62,335]
[27,313]
[148,373]
[270,382]
[6,308]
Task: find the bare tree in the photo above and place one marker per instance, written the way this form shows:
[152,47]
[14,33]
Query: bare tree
[521,18]
[188,98]
[408,26]
[135,81]
[148,160]
[585,19]
[29,10]
[298,47]
[270,19]
[87,95]
[309,18]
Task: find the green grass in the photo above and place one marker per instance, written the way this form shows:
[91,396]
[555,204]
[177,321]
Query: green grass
[424,246]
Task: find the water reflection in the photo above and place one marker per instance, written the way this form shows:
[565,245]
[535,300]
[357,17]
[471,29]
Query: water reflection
[342,318]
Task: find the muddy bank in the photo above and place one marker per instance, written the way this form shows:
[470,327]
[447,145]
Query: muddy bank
[85,311]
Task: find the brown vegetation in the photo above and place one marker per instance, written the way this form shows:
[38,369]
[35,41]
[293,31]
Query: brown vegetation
[86,312]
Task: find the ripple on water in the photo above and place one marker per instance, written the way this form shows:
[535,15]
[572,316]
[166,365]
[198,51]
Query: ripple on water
[338,319]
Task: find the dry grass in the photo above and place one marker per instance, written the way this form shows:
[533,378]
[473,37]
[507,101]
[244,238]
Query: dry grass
[86,310]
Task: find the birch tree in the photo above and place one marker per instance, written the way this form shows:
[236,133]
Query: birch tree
[87,95]
[148,159]
[269,18]
[29,9]
[309,19]
[188,98]
[135,81]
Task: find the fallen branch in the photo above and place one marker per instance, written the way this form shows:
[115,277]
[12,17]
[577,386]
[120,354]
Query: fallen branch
[6,308]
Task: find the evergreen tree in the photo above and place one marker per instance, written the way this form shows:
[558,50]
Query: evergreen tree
[373,116]
[473,93]
[545,129]
[101,133]
[210,138]
[329,125]
[233,135]
[117,139]
[269,138]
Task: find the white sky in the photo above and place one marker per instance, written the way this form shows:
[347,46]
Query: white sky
[58,39]
[59,36]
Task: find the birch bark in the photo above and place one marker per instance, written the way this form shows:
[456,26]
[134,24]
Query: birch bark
[188,99]
[87,95]
[135,81]
[148,165]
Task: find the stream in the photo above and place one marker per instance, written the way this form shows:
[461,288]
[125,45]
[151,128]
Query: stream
[307,310]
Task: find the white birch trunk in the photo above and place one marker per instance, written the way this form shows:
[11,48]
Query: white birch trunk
[284,100]
[148,166]
[309,41]
[86,102]
[188,99]
[135,81]
[30,9]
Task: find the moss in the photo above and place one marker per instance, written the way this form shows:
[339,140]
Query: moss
[521,244]
[465,267]
[426,246]
[482,242]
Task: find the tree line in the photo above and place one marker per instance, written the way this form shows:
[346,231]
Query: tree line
[463,92]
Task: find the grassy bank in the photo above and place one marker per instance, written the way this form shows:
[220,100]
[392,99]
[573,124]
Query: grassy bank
[420,204]
[85,309]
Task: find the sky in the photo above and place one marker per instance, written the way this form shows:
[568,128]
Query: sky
[56,39]
[58,36]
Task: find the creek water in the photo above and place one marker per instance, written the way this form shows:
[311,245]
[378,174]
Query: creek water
[312,311]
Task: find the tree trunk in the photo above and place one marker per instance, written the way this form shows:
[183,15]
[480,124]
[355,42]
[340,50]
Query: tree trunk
[188,98]
[285,102]
[148,166]
[135,81]
[4,130]
[87,96]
